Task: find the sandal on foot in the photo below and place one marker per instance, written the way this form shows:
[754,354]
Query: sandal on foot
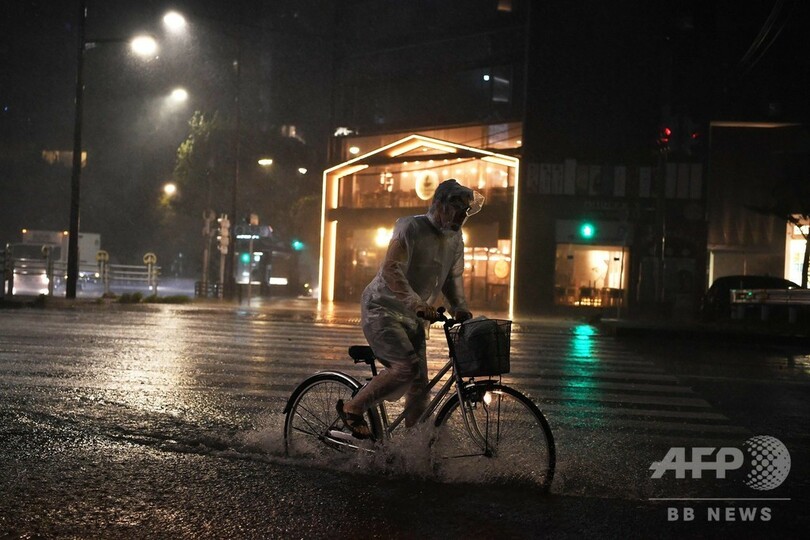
[354,422]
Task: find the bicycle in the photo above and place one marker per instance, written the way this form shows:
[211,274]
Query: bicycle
[484,424]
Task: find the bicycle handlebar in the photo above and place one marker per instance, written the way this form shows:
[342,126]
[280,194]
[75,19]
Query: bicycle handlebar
[440,311]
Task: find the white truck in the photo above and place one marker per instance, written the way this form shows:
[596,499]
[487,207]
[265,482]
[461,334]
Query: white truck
[57,241]
[39,261]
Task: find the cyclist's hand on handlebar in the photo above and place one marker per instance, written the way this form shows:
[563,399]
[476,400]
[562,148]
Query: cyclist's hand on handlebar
[463,315]
[429,313]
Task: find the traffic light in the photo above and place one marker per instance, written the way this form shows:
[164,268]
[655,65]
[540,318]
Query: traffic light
[224,232]
[692,136]
[587,230]
[297,245]
[244,257]
[680,135]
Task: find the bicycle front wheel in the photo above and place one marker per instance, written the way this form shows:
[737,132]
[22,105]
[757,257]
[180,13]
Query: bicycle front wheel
[505,439]
[312,427]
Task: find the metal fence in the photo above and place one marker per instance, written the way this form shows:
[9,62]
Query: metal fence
[208,289]
[37,276]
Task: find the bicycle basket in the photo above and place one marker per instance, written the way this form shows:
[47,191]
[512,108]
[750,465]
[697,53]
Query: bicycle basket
[481,347]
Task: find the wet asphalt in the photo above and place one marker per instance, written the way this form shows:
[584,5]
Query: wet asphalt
[165,422]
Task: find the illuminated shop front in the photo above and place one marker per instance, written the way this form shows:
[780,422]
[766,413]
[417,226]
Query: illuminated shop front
[795,244]
[363,197]
[589,274]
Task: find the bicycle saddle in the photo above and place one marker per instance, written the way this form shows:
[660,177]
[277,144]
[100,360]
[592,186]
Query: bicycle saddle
[361,353]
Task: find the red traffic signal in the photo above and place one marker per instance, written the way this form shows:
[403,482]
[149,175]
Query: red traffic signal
[664,136]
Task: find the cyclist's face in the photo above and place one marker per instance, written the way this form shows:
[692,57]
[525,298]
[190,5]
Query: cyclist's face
[454,214]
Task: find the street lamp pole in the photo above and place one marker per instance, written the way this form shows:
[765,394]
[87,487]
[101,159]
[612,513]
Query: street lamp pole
[75,178]
[143,45]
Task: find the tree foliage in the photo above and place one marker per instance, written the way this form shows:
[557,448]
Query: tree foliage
[200,167]
[205,175]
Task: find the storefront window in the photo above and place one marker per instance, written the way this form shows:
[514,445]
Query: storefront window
[365,195]
[486,276]
[587,275]
[794,251]
[486,269]
[410,184]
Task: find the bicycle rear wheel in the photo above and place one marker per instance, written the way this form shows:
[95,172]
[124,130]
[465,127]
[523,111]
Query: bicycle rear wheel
[509,439]
[312,427]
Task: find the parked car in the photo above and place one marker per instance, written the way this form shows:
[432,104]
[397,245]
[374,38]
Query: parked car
[717,300]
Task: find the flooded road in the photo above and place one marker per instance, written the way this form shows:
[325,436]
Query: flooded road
[165,421]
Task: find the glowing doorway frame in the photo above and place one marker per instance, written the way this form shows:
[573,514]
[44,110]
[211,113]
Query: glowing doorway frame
[331,177]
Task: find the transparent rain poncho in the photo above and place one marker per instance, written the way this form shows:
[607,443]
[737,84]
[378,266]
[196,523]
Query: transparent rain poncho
[425,259]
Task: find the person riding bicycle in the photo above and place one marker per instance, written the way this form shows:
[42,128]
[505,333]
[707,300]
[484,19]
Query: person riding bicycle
[425,257]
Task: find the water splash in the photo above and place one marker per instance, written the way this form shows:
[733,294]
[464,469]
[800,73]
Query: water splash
[410,453]
[267,437]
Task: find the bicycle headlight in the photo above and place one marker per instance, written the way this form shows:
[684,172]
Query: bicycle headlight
[487,398]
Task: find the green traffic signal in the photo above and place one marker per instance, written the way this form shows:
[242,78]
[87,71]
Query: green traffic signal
[297,245]
[244,258]
[587,230]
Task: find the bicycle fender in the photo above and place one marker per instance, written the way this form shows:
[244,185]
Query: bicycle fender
[351,381]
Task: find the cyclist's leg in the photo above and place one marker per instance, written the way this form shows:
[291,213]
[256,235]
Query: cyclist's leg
[392,344]
[416,399]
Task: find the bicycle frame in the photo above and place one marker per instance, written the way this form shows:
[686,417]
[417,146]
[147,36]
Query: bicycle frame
[472,429]
[432,406]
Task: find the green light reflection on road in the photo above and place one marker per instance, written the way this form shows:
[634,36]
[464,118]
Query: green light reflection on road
[579,390]
[583,344]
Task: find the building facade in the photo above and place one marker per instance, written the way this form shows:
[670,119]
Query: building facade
[592,235]
[363,196]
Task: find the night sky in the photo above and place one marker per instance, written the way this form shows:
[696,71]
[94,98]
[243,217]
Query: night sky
[729,60]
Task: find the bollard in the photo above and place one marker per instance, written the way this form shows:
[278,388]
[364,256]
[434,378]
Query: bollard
[49,274]
[10,278]
[103,260]
[150,259]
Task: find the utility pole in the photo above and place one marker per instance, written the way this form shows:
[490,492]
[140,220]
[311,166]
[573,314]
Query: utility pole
[76,172]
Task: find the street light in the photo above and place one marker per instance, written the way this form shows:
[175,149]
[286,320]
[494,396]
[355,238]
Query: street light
[174,21]
[179,95]
[142,45]
[169,189]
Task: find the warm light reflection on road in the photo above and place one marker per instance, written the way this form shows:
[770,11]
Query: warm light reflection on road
[154,378]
